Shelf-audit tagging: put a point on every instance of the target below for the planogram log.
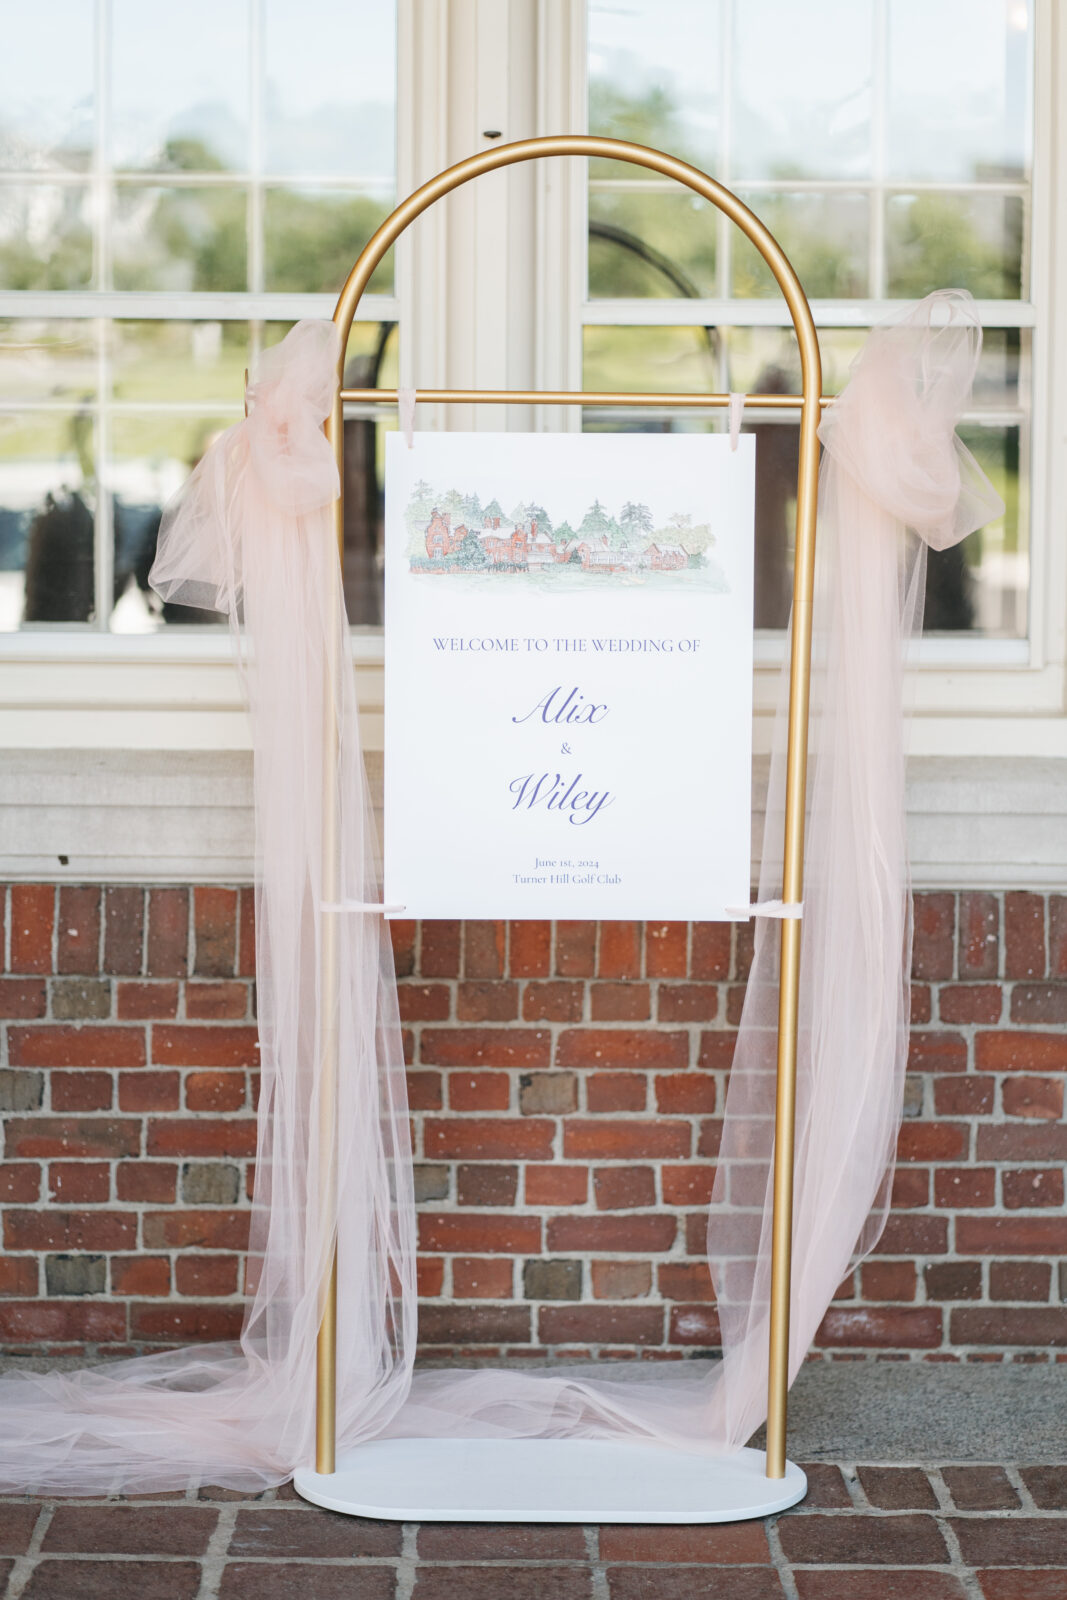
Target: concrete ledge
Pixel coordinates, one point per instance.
(162, 816)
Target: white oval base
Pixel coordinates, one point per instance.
(547, 1480)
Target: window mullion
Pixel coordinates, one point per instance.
(256, 66)
(877, 275)
(724, 235)
(103, 519)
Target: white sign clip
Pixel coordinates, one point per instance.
(405, 400)
(737, 409)
(783, 910)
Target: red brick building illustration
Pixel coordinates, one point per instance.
(441, 538)
(664, 557)
(520, 547)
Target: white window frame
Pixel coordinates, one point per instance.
(974, 696)
(512, 316)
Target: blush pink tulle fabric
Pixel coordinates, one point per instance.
(251, 535)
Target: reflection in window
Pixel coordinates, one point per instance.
(308, 238)
(887, 161)
(48, 497)
(187, 240)
(180, 82)
(259, 165)
(371, 364)
(47, 93)
(46, 237)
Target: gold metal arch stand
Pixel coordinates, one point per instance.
(808, 402)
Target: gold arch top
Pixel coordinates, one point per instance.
(808, 402)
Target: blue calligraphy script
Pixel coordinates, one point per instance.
(552, 789)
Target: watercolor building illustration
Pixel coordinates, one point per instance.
(451, 532)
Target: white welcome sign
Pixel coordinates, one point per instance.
(568, 675)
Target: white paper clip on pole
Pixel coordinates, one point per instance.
(737, 411)
(405, 401)
(360, 905)
(782, 910)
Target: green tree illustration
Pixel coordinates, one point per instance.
(539, 515)
(635, 523)
(596, 524)
(470, 554)
(417, 514)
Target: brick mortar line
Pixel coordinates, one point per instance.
(959, 1568)
(598, 1574)
(886, 1513)
(372, 1563)
(1018, 1483)
(213, 1559)
(1028, 1511)
(781, 1564)
(22, 1570)
(407, 1563)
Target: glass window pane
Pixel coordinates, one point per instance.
(47, 503)
(824, 236)
(673, 360)
(313, 236)
(47, 360)
(1002, 382)
(657, 84)
(653, 243)
(330, 101)
(802, 89)
(180, 239)
(971, 241)
(197, 362)
(371, 357)
(46, 87)
(46, 238)
(371, 362)
(151, 456)
(983, 583)
(958, 89)
(179, 85)
(767, 360)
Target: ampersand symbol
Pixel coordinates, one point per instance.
(565, 749)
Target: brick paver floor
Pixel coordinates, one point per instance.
(865, 1532)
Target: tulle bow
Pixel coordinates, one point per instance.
(288, 402)
(893, 429)
(276, 462)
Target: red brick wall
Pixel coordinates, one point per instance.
(566, 1083)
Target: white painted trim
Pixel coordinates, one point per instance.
(422, 99)
(1048, 584)
(219, 307)
(179, 646)
(561, 210)
(772, 313)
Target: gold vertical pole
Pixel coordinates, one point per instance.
(326, 1350)
(796, 771)
(792, 890)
